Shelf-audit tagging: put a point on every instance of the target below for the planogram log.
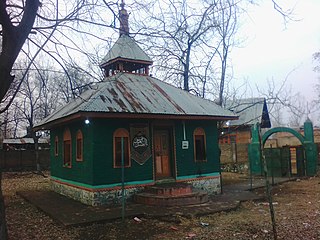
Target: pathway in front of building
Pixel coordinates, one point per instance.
(70, 212)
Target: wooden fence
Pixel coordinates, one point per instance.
(15, 160)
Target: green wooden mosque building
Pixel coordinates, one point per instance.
(168, 134)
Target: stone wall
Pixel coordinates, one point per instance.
(113, 196)
(211, 185)
(226, 153)
(94, 198)
(242, 153)
(234, 157)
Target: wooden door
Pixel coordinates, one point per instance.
(162, 154)
(293, 160)
(301, 167)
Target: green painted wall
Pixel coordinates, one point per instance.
(80, 171)
(185, 157)
(254, 151)
(310, 149)
(104, 173)
(97, 166)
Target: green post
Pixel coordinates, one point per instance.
(310, 149)
(254, 151)
(122, 182)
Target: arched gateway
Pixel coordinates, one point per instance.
(307, 141)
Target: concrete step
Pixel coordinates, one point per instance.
(171, 194)
(170, 189)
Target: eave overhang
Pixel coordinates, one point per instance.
(95, 115)
(120, 59)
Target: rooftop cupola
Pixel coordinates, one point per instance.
(125, 55)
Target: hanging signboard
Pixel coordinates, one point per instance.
(140, 143)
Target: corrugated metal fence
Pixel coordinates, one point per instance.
(14, 160)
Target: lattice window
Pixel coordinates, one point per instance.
(199, 137)
(67, 149)
(117, 152)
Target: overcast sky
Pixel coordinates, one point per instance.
(272, 50)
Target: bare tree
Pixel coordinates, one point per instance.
(39, 96)
(298, 110)
(287, 13)
(176, 32)
(316, 58)
(276, 115)
(191, 44)
(15, 28)
(5, 124)
(226, 30)
(17, 20)
(286, 107)
(49, 95)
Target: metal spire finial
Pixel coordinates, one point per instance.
(123, 17)
(122, 4)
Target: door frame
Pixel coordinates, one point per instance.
(172, 146)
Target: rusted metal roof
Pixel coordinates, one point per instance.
(126, 48)
(139, 94)
(250, 111)
(25, 140)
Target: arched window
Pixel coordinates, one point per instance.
(199, 138)
(67, 153)
(56, 144)
(79, 146)
(119, 134)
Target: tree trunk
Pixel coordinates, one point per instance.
(13, 38)
(186, 70)
(223, 77)
(36, 149)
(3, 225)
(6, 80)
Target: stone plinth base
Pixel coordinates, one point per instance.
(211, 185)
(94, 197)
(113, 195)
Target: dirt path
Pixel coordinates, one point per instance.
(297, 207)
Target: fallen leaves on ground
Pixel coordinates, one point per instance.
(297, 213)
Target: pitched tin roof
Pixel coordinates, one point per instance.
(126, 93)
(126, 48)
(25, 140)
(250, 111)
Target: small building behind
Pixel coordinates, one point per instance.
(24, 143)
(236, 134)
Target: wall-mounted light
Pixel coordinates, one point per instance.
(87, 121)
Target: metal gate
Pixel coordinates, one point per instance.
(285, 162)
